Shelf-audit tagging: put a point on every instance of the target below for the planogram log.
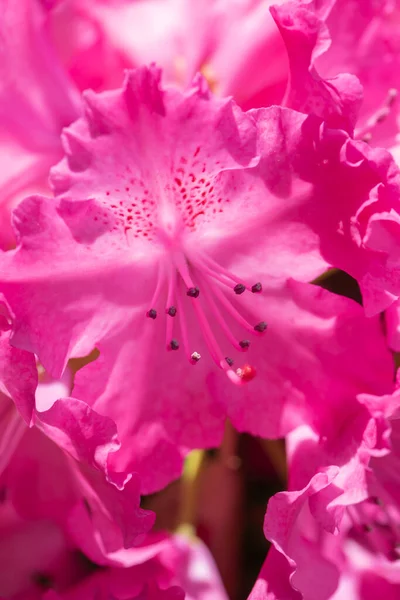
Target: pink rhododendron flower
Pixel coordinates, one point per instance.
(183, 36)
(354, 490)
(39, 472)
(164, 295)
(184, 246)
(36, 101)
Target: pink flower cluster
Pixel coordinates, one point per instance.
(179, 180)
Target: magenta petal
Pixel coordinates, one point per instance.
(36, 101)
(280, 527)
(365, 42)
(357, 469)
(306, 36)
(18, 373)
(273, 581)
(107, 520)
(29, 63)
(161, 425)
(43, 481)
(91, 438)
(80, 431)
(392, 319)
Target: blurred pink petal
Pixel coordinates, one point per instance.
(182, 36)
(36, 101)
(336, 100)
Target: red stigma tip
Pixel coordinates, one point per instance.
(246, 373)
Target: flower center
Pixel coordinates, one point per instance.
(193, 282)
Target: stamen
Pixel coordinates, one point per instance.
(239, 288)
(216, 290)
(213, 307)
(183, 270)
(256, 288)
(195, 357)
(211, 342)
(213, 346)
(206, 273)
(212, 268)
(193, 292)
(184, 332)
(159, 285)
(170, 304)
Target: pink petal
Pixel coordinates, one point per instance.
(36, 101)
(306, 36)
(183, 37)
(18, 374)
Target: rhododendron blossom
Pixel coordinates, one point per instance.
(186, 216)
(353, 491)
(199, 300)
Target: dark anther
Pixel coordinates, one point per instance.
(171, 311)
(393, 554)
(367, 528)
(256, 288)
(229, 361)
(152, 314)
(391, 97)
(42, 580)
(375, 500)
(261, 326)
(87, 507)
(193, 292)
(174, 345)
(239, 288)
(244, 344)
